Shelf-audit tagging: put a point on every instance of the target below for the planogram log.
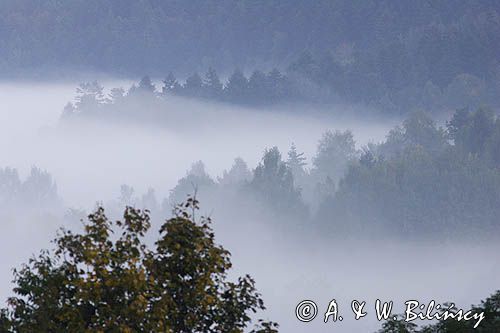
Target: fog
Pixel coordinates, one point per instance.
(89, 161)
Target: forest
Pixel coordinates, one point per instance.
(423, 180)
(206, 165)
(399, 56)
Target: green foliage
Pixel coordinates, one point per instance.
(107, 279)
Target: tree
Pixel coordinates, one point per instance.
(335, 151)
(397, 325)
(149, 201)
(305, 65)
(68, 111)
(431, 185)
(421, 130)
(212, 85)
(296, 161)
(417, 130)
(10, 186)
(258, 88)
(89, 96)
(36, 193)
(274, 184)
(170, 84)
(196, 179)
(117, 95)
(472, 131)
(39, 189)
(193, 86)
(126, 195)
(277, 85)
(95, 282)
(237, 87)
(144, 87)
(237, 175)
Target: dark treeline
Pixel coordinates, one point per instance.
(399, 55)
(297, 85)
(260, 89)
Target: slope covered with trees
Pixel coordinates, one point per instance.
(422, 181)
(395, 54)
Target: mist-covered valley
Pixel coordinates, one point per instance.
(206, 166)
(282, 224)
(149, 154)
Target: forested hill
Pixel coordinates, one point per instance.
(390, 52)
(160, 35)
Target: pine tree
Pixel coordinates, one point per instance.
(116, 95)
(89, 96)
(146, 85)
(193, 86)
(212, 85)
(237, 87)
(296, 162)
(170, 84)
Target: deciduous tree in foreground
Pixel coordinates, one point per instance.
(107, 279)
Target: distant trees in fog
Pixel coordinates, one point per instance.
(36, 193)
(423, 179)
(273, 184)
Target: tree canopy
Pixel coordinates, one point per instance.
(107, 279)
